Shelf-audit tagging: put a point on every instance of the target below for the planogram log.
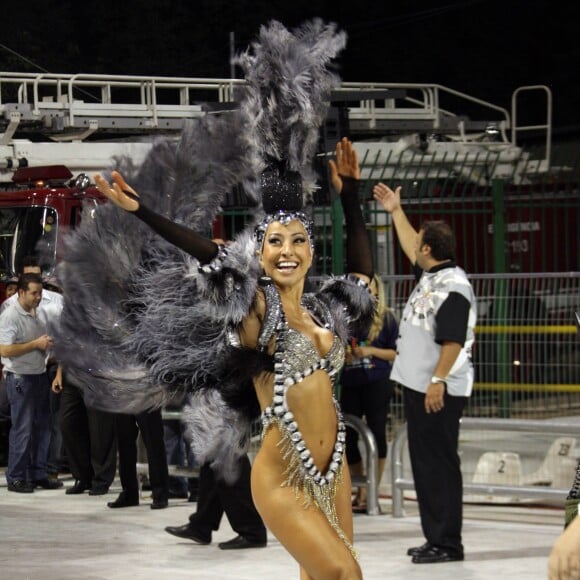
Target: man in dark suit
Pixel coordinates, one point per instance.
(217, 497)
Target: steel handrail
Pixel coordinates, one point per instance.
(369, 481)
(547, 126)
(428, 102)
(372, 460)
(399, 483)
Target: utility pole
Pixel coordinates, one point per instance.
(232, 54)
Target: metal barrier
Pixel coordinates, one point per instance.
(399, 483)
(372, 459)
(369, 481)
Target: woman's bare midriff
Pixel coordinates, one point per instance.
(314, 410)
(298, 530)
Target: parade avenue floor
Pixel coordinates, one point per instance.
(54, 536)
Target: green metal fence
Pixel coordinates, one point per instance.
(526, 222)
(517, 238)
(527, 346)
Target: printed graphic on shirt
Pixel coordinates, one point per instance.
(423, 305)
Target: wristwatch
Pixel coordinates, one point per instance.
(435, 379)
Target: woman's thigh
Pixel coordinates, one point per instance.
(304, 531)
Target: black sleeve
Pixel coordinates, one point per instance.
(358, 248)
(452, 318)
(189, 241)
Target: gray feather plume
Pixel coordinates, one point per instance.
(215, 432)
(288, 90)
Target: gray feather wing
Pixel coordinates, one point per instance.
(117, 271)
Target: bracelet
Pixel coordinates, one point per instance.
(435, 379)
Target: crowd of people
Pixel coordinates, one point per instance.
(88, 440)
(48, 429)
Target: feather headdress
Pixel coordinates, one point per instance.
(287, 95)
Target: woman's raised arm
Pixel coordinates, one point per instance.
(125, 197)
(345, 174)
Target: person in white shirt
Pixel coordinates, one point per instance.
(24, 343)
(433, 367)
(51, 301)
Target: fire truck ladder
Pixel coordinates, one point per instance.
(394, 125)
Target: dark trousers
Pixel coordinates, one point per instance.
(433, 440)
(178, 453)
(371, 401)
(216, 496)
(151, 427)
(89, 439)
(54, 460)
(4, 422)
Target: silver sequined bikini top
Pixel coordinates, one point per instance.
(302, 355)
(296, 356)
(301, 358)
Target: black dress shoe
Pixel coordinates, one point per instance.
(240, 543)
(159, 503)
(418, 549)
(435, 555)
(188, 533)
(20, 486)
(124, 501)
(78, 487)
(98, 490)
(46, 483)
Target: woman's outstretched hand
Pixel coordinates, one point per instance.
(346, 164)
(118, 192)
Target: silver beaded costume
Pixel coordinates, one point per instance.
(295, 358)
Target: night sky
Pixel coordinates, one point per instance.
(485, 48)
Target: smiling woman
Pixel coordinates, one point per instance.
(286, 252)
(234, 328)
(302, 339)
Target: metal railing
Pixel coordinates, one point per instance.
(420, 100)
(526, 353)
(371, 459)
(399, 483)
(42, 96)
(371, 463)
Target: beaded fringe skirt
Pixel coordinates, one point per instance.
(320, 496)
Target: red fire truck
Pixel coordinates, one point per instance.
(403, 132)
(36, 209)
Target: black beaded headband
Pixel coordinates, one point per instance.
(284, 217)
(282, 200)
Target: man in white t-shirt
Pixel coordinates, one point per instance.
(24, 343)
(433, 367)
(51, 304)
